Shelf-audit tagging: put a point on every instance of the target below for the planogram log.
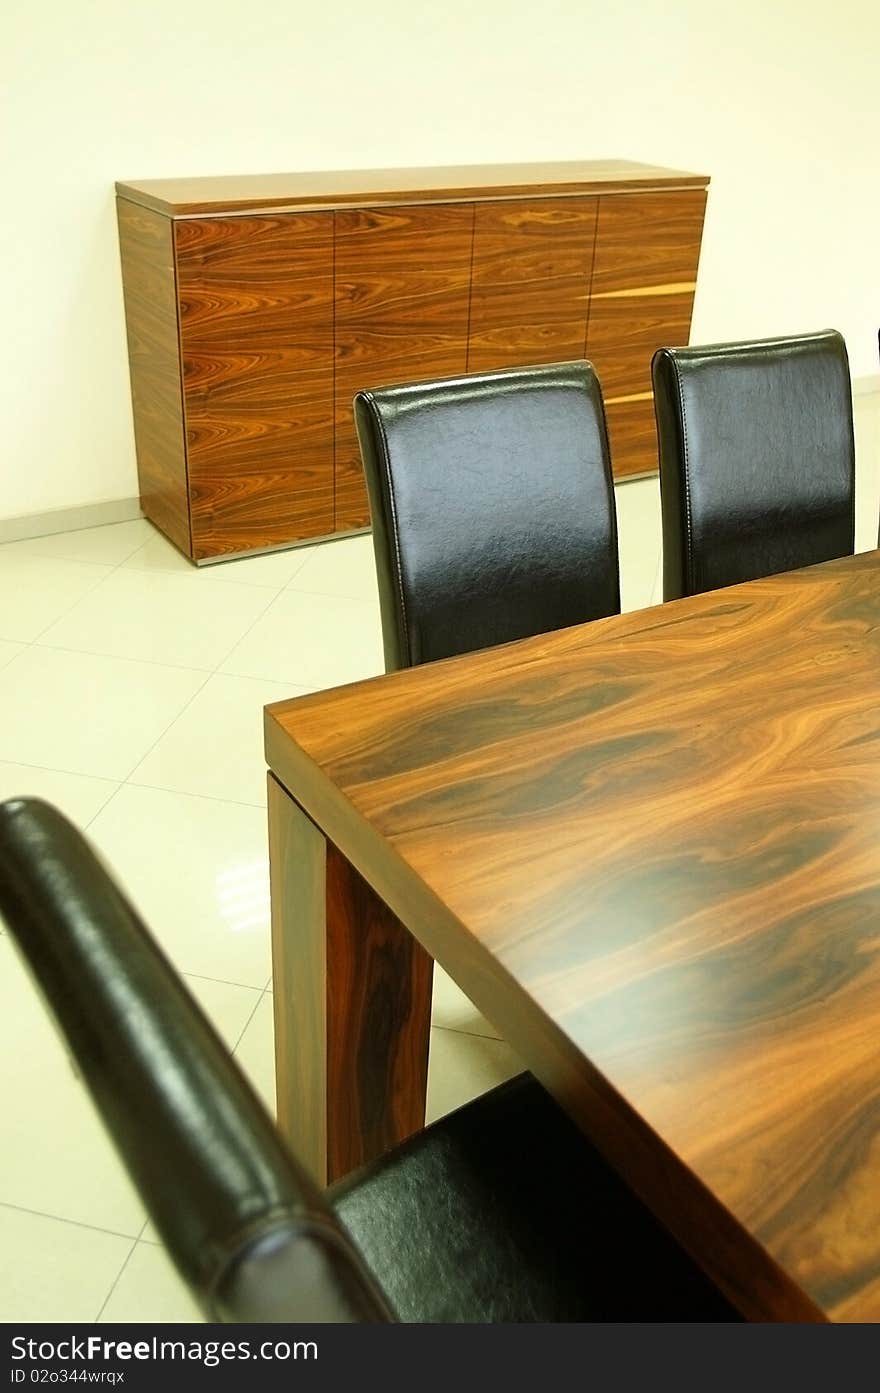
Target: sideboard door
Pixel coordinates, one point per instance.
(256, 327)
(402, 280)
(531, 282)
(642, 295)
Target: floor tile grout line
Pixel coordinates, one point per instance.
(74, 531)
(98, 811)
(116, 1280)
(471, 1034)
(216, 580)
(10, 660)
(332, 594)
(247, 1023)
(222, 981)
(241, 638)
(131, 782)
(42, 557)
(113, 657)
(165, 730)
(156, 572)
(62, 1219)
(112, 570)
(56, 618)
(53, 769)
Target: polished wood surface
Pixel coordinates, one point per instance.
(147, 253)
(647, 848)
(256, 329)
(402, 288)
(352, 1001)
(336, 188)
(530, 283)
(288, 294)
(641, 298)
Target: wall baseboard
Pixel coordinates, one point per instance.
(69, 519)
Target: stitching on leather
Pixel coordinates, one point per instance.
(689, 549)
(394, 531)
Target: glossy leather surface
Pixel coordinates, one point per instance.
(504, 1213)
(757, 460)
(492, 507)
(234, 1210)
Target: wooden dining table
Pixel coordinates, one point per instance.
(648, 849)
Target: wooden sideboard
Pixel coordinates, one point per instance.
(256, 307)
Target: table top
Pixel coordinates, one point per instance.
(341, 188)
(649, 850)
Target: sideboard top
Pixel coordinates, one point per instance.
(328, 189)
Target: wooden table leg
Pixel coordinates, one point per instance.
(352, 996)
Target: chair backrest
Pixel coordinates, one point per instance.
(757, 460)
(250, 1234)
(492, 506)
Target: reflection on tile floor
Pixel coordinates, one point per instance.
(131, 694)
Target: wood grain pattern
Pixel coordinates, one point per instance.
(647, 849)
(338, 188)
(443, 271)
(256, 318)
(530, 282)
(147, 254)
(352, 1004)
(402, 288)
(642, 296)
(632, 434)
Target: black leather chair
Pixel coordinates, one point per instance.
(492, 508)
(757, 461)
(500, 1212)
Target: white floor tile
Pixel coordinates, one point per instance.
(8, 651)
(312, 641)
(271, 571)
(215, 747)
(451, 1009)
(345, 567)
(54, 1154)
(87, 714)
(37, 590)
(198, 871)
(53, 1271)
(150, 1292)
(77, 796)
(256, 1052)
(159, 618)
(462, 1067)
(104, 546)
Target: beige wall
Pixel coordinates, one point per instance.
(776, 99)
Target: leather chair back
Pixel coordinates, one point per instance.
(492, 506)
(250, 1234)
(757, 460)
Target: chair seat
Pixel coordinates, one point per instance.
(503, 1212)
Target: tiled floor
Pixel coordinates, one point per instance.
(131, 688)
